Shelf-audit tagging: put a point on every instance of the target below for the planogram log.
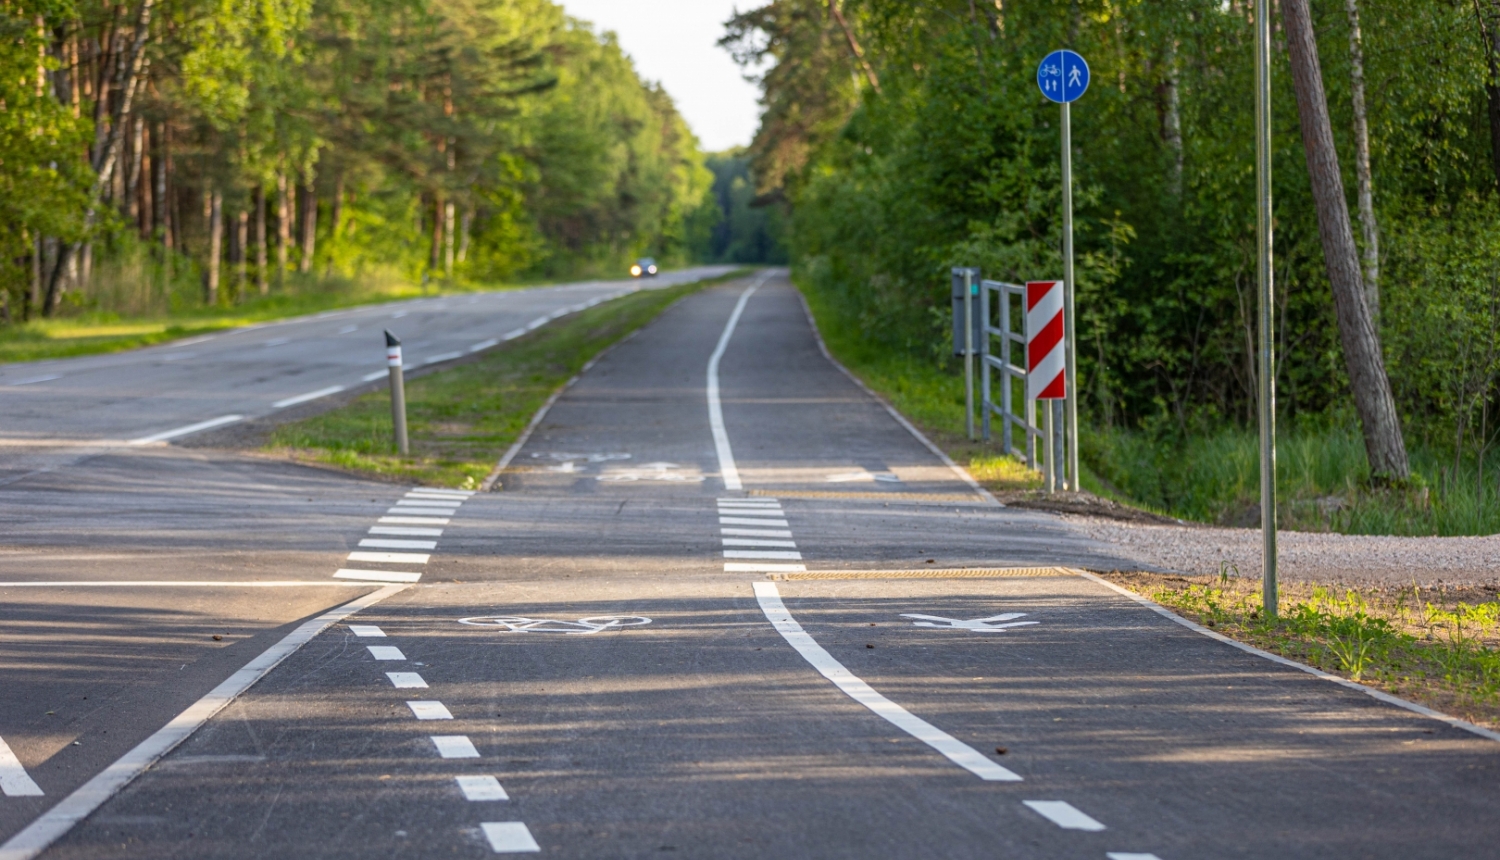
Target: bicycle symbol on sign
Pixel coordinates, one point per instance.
(581, 627)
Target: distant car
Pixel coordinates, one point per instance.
(645, 267)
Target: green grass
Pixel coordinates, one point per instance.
(1437, 646)
(461, 419)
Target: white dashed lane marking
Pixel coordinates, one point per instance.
(454, 746)
(407, 680)
(398, 530)
(781, 533)
(737, 541)
(377, 575)
(429, 710)
(1063, 814)
(386, 652)
(14, 781)
(1128, 855)
(509, 837)
(746, 521)
(431, 521)
(391, 543)
(481, 788)
(369, 630)
(391, 557)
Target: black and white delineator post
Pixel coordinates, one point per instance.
(398, 391)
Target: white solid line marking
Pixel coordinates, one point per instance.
(729, 541)
(388, 543)
(367, 630)
(509, 837)
(747, 499)
(386, 652)
(398, 315)
(423, 512)
(746, 521)
(174, 583)
(407, 681)
(481, 788)
(1129, 855)
(771, 506)
(391, 557)
(405, 530)
(727, 470)
(77, 806)
(35, 379)
(538, 323)
(952, 748)
(753, 512)
(429, 710)
(781, 533)
(1063, 814)
(512, 335)
(14, 780)
(432, 521)
(377, 575)
(454, 746)
(766, 567)
(773, 554)
(485, 344)
(429, 501)
(183, 431)
(371, 377)
(311, 395)
(349, 329)
(441, 357)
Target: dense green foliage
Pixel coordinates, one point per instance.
(917, 140)
(252, 146)
(746, 228)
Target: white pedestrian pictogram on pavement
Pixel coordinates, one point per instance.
(978, 625)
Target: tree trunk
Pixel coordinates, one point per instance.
(215, 243)
(1368, 228)
(241, 252)
(465, 225)
(1487, 15)
(309, 227)
(1172, 120)
(132, 189)
(145, 188)
(1362, 356)
(336, 209)
(127, 77)
(448, 214)
(259, 202)
(854, 48)
(161, 219)
(283, 226)
(34, 295)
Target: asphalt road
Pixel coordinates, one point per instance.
(617, 656)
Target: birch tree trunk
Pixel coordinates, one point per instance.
(1368, 382)
(1369, 229)
(283, 226)
(309, 227)
(1487, 15)
(215, 243)
(259, 202)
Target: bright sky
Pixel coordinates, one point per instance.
(675, 42)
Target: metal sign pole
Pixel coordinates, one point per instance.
(969, 353)
(1070, 420)
(1263, 273)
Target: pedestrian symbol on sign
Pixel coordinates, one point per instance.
(1063, 76)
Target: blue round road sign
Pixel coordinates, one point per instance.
(1063, 76)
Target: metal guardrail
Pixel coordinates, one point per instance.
(995, 298)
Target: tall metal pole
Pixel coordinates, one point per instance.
(1263, 272)
(1070, 419)
(969, 353)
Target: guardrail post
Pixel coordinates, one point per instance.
(398, 391)
(969, 353)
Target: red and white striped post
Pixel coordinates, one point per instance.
(1046, 367)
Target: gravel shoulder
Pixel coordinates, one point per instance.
(1357, 560)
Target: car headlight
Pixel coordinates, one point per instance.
(652, 270)
(636, 271)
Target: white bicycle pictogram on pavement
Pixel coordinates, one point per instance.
(581, 627)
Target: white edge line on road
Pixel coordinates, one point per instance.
(58, 820)
(727, 470)
(485, 344)
(168, 583)
(958, 470)
(33, 380)
(513, 334)
(1302, 667)
(368, 576)
(14, 780)
(311, 395)
(441, 357)
(371, 377)
(183, 431)
(950, 747)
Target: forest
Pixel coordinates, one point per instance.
(909, 137)
(157, 155)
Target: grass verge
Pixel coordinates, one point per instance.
(1439, 646)
(462, 418)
